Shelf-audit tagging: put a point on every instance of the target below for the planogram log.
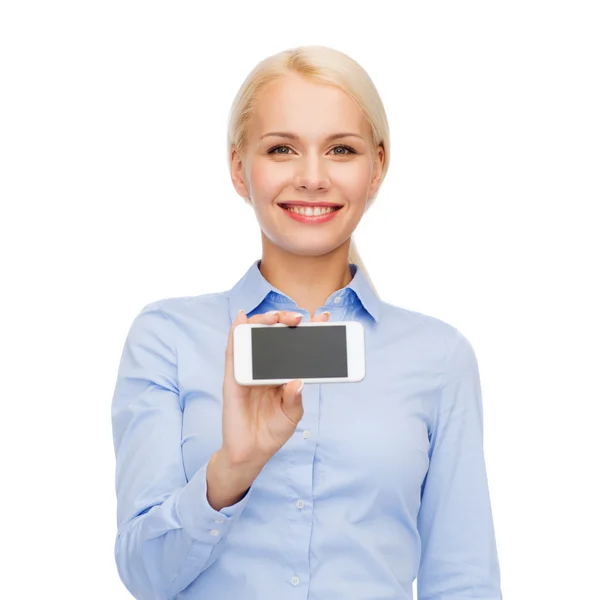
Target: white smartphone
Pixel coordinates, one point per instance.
(316, 352)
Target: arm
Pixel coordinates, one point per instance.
(458, 553)
(168, 533)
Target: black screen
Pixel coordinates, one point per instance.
(299, 352)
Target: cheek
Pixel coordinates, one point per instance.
(266, 177)
(353, 180)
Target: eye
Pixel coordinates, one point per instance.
(350, 150)
(273, 150)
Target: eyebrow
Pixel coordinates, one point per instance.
(293, 136)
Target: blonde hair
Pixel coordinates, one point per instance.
(324, 65)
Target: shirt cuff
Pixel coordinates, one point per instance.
(199, 519)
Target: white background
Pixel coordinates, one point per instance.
(115, 193)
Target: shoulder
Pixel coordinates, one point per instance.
(428, 340)
(179, 305)
(186, 312)
(420, 328)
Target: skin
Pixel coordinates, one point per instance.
(307, 262)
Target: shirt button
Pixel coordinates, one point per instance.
(214, 532)
(337, 299)
(306, 434)
(300, 504)
(219, 521)
(295, 580)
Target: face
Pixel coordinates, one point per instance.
(307, 164)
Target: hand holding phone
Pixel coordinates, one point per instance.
(259, 419)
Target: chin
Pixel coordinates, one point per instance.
(318, 248)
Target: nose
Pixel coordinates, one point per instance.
(311, 174)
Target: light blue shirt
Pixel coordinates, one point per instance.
(384, 480)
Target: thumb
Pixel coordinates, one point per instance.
(292, 400)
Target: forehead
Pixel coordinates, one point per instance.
(306, 107)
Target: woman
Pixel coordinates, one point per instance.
(346, 490)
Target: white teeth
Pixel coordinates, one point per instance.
(309, 211)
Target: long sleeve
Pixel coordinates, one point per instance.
(458, 549)
(168, 533)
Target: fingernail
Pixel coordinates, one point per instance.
(299, 389)
(326, 312)
(296, 315)
(273, 312)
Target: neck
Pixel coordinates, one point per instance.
(308, 280)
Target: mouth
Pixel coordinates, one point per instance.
(311, 213)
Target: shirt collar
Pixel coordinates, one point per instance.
(252, 289)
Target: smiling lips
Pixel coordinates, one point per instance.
(311, 212)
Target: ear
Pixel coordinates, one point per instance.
(236, 166)
(377, 170)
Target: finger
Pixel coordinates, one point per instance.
(292, 400)
(267, 318)
(290, 317)
(324, 316)
(277, 316)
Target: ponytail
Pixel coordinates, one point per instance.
(354, 257)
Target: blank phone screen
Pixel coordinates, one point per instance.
(299, 352)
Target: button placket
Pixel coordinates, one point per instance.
(301, 478)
